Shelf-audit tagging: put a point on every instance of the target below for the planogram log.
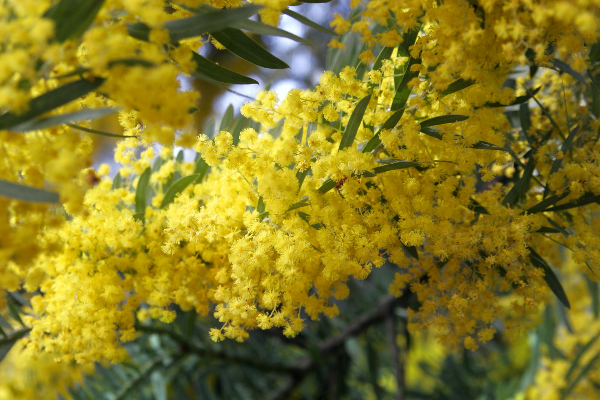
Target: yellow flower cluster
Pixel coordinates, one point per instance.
(323, 192)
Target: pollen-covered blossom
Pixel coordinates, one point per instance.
(319, 188)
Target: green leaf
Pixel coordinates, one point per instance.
(595, 96)
(586, 199)
(208, 70)
(306, 218)
(402, 89)
(389, 124)
(72, 17)
(547, 229)
(564, 148)
(116, 181)
(525, 118)
(326, 186)
(14, 310)
(260, 205)
(399, 164)
(522, 185)
(131, 62)
(298, 205)
(96, 132)
(433, 132)
(141, 194)
(83, 115)
(594, 289)
(302, 19)
(584, 371)
(544, 204)
(354, 122)
(201, 169)
(176, 188)
(51, 100)
(443, 119)
(10, 339)
(240, 124)
(550, 277)
(212, 19)
(457, 86)
(518, 100)
(159, 386)
(27, 193)
(566, 68)
(301, 176)
(384, 54)
(578, 356)
(242, 46)
(262, 29)
(227, 120)
(411, 250)
(481, 145)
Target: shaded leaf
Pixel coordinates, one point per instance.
(457, 86)
(27, 193)
(399, 164)
(176, 188)
(51, 100)
(208, 70)
(298, 205)
(116, 181)
(72, 17)
(301, 175)
(227, 120)
(443, 119)
(566, 68)
(547, 229)
(550, 277)
(97, 132)
(326, 186)
(521, 186)
(201, 169)
(302, 19)
(14, 310)
(354, 122)
(7, 342)
(210, 20)
(260, 205)
(141, 194)
(384, 54)
(525, 118)
(544, 204)
(586, 199)
(584, 371)
(242, 46)
(262, 29)
(411, 250)
(389, 124)
(518, 100)
(83, 115)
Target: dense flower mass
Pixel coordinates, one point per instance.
(462, 148)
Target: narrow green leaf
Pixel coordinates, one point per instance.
(457, 86)
(400, 164)
(443, 119)
(547, 229)
(306, 218)
(578, 356)
(298, 205)
(354, 122)
(521, 186)
(176, 188)
(389, 124)
(116, 181)
(594, 289)
(4, 323)
(302, 19)
(3, 333)
(27, 193)
(239, 125)
(481, 145)
(595, 95)
(227, 120)
(51, 100)
(476, 207)
(550, 277)
(411, 250)
(326, 186)
(201, 169)
(213, 20)
(139, 30)
(301, 176)
(131, 62)
(564, 148)
(11, 338)
(433, 132)
(566, 68)
(544, 204)
(14, 310)
(384, 54)
(96, 132)
(586, 199)
(159, 386)
(525, 118)
(141, 194)
(518, 100)
(242, 46)
(260, 205)
(584, 371)
(402, 90)
(72, 17)
(83, 115)
(262, 29)
(263, 215)
(206, 69)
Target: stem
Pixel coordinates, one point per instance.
(398, 365)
